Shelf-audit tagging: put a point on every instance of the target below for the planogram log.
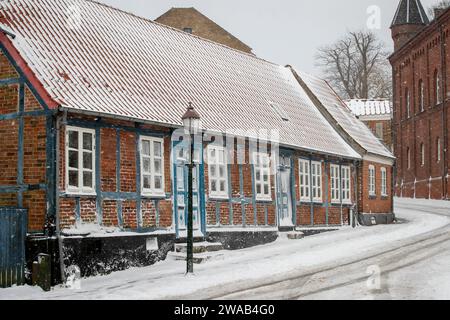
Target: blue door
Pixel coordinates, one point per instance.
(284, 194)
(180, 174)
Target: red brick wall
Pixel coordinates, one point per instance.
(34, 149)
(418, 61)
(377, 203)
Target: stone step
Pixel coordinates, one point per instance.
(198, 258)
(199, 247)
(293, 235)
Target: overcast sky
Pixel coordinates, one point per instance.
(282, 31)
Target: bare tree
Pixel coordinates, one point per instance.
(356, 66)
(441, 5)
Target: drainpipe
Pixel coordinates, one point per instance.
(444, 111)
(59, 123)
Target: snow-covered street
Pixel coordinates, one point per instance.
(412, 258)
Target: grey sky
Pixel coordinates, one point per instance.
(281, 31)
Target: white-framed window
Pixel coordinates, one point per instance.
(346, 184)
(261, 162)
(438, 149)
(316, 181)
(217, 172)
(335, 177)
(421, 96)
(80, 160)
(384, 182)
(305, 186)
(408, 103)
(437, 86)
(422, 154)
(372, 185)
(152, 166)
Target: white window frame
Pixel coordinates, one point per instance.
(422, 154)
(316, 181)
(152, 191)
(372, 181)
(408, 158)
(80, 190)
(408, 104)
(335, 183)
(215, 161)
(304, 180)
(438, 147)
(265, 159)
(422, 95)
(384, 182)
(438, 88)
(346, 184)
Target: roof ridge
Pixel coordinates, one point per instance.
(182, 32)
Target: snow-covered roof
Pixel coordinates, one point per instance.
(364, 107)
(354, 127)
(94, 58)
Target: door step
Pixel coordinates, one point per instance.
(199, 247)
(198, 258)
(293, 235)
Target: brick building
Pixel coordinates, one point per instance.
(192, 21)
(421, 100)
(92, 139)
(377, 115)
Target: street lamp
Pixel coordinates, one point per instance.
(191, 122)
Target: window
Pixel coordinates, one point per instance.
(316, 179)
(80, 160)
(372, 191)
(305, 186)
(335, 187)
(408, 158)
(408, 103)
(379, 130)
(422, 154)
(187, 30)
(152, 166)
(421, 96)
(262, 176)
(437, 86)
(345, 181)
(218, 173)
(383, 182)
(438, 149)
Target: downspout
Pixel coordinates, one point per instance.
(58, 226)
(444, 112)
(355, 190)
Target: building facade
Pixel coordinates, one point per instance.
(421, 119)
(377, 115)
(192, 21)
(95, 148)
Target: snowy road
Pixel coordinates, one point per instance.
(412, 258)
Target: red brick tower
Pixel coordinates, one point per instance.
(409, 20)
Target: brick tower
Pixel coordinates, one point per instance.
(409, 20)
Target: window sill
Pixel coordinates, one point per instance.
(153, 195)
(264, 199)
(372, 197)
(218, 198)
(79, 194)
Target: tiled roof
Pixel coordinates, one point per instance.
(362, 107)
(355, 128)
(410, 12)
(94, 58)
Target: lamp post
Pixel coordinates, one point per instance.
(191, 122)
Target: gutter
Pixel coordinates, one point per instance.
(60, 121)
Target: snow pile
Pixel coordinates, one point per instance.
(255, 266)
